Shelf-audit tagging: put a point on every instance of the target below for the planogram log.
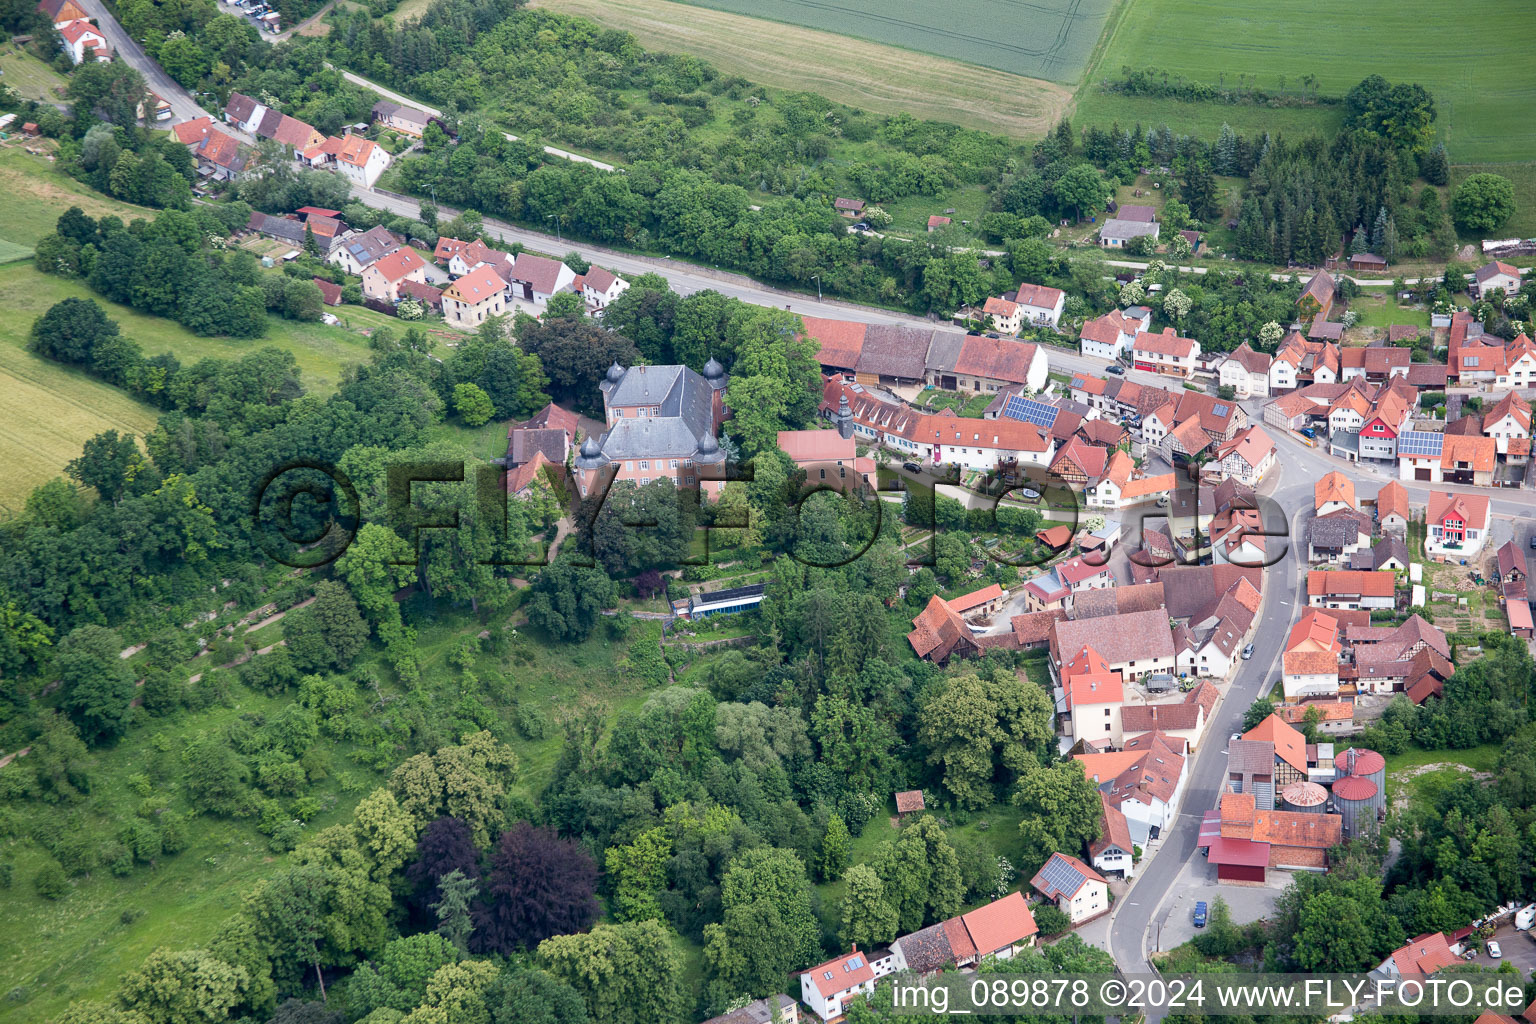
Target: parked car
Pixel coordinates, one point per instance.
(1248, 652)
(911, 467)
(1116, 369)
(1200, 914)
(1494, 950)
(1309, 433)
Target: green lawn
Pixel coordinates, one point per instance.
(1479, 78)
(30, 77)
(49, 192)
(1424, 785)
(1523, 177)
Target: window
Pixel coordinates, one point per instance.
(689, 480)
(674, 463)
(644, 480)
(645, 463)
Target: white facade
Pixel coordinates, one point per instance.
(831, 1006)
(1298, 685)
(1090, 900)
(601, 298)
(367, 172)
(1112, 858)
(1520, 372)
(1232, 373)
(1504, 430)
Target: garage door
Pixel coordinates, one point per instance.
(1421, 474)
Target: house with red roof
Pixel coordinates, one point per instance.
(358, 159)
(473, 297)
(1165, 353)
(382, 278)
(1457, 524)
(1113, 850)
(1077, 890)
(1093, 693)
(1423, 955)
(939, 633)
(1310, 662)
(1509, 420)
(829, 458)
(330, 292)
(1519, 364)
(62, 12)
(1110, 336)
(535, 278)
(600, 286)
(190, 133)
(1351, 589)
(1496, 274)
(1038, 304)
(1247, 458)
(221, 157)
(829, 987)
(81, 37)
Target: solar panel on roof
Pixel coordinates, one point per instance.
(1219, 409)
(1030, 411)
(1061, 875)
(1420, 442)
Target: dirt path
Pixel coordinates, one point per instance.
(279, 616)
(8, 758)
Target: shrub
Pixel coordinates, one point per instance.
(1050, 920)
(51, 882)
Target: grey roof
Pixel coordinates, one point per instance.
(1117, 228)
(523, 444)
(384, 108)
(891, 350)
(927, 950)
(944, 349)
(1345, 441)
(368, 246)
(277, 227)
(684, 426)
(1334, 531)
(1251, 757)
(758, 1011)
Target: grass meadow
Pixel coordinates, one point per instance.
(30, 77)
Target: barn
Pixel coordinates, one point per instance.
(1239, 860)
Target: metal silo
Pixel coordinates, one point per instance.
(1365, 763)
(1303, 797)
(1358, 800)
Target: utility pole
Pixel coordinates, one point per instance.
(557, 227)
(817, 278)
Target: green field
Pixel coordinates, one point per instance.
(1050, 39)
(1481, 79)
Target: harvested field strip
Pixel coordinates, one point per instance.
(883, 79)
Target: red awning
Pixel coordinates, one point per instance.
(1239, 853)
(1210, 827)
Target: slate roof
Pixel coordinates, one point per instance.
(368, 246)
(1335, 531)
(290, 231)
(240, 106)
(523, 444)
(1118, 228)
(686, 415)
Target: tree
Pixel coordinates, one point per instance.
(1081, 189)
(110, 92)
(1176, 305)
(1483, 202)
(959, 727)
(920, 873)
(576, 354)
(215, 777)
(836, 849)
(530, 996)
(51, 882)
(538, 885)
(398, 978)
(472, 404)
(639, 875)
(567, 600)
(187, 987)
(767, 927)
(328, 634)
(1403, 114)
(1178, 247)
(1061, 809)
(446, 845)
(565, 304)
(108, 462)
(855, 744)
(454, 908)
(1131, 293)
(1198, 191)
(97, 684)
(867, 916)
(1270, 335)
(629, 973)
(466, 781)
(71, 331)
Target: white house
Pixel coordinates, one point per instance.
(1509, 420)
(1349, 589)
(1116, 233)
(1039, 305)
(1458, 524)
(1001, 314)
(1077, 890)
(1111, 335)
(1247, 457)
(600, 287)
(1245, 371)
(828, 988)
(1121, 486)
(355, 251)
(1114, 849)
(80, 36)
(1310, 664)
(1497, 275)
(361, 160)
(1519, 364)
(476, 254)
(535, 278)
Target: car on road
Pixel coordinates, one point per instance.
(1200, 914)
(911, 467)
(1533, 542)
(1116, 369)
(1248, 652)
(1494, 950)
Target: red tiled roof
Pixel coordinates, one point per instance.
(1290, 745)
(841, 340)
(976, 598)
(330, 292)
(476, 286)
(1166, 343)
(1000, 923)
(1323, 582)
(397, 264)
(1471, 509)
(1425, 954)
(804, 446)
(189, 133)
(1038, 295)
(838, 974)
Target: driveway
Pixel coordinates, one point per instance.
(1517, 947)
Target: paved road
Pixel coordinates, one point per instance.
(183, 106)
